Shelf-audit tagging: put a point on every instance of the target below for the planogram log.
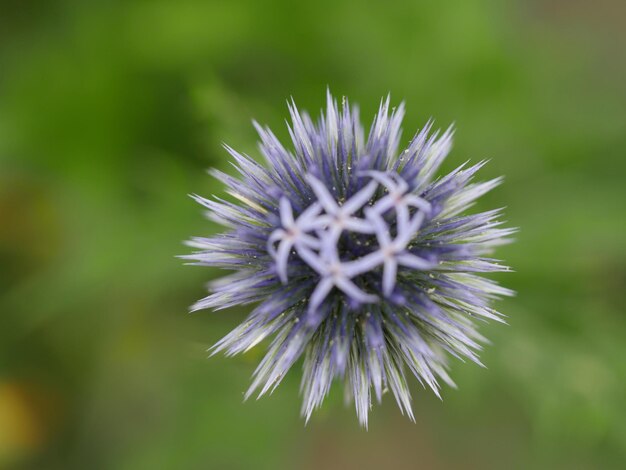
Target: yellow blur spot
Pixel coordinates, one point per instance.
(21, 431)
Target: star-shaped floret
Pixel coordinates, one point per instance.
(398, 196)
(341, 217)
(293, 233)
(334, 273)
(392, 252)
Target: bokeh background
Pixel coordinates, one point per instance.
(110, 113)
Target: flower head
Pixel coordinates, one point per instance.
(355, 256)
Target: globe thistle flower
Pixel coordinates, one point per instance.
(358, 259)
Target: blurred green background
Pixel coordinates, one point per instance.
(110, 113)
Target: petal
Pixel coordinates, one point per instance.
(407, 233)
(418, 202)
(326, 199)
(333, 234)
(401, 185)
(357, 201)
(402, 216)
(382, 178)
(309, 216)
(350, 288)
(383, 204)
(312, 259)
(362, 265)
(412, 261)
(319, 294)
(389, 275)
(282, 259)
(286, 213)
(380, 227)
(276, 235)
(309, 240)
(359, 225)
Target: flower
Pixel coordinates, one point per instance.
(356, 257)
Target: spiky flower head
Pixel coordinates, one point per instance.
(356, 256)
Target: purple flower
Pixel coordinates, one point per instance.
(356, 257)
